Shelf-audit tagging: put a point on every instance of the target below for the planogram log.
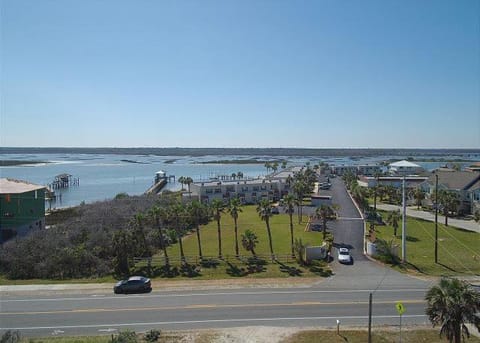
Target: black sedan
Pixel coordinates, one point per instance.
(135, 284)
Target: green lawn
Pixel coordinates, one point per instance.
(458, 250)
(248, 219)
(232, 267)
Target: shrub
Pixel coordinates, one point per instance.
(10, 337)
(126, 336)
(152, 335)
(386, 251)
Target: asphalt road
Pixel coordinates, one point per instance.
(106, 313)
(343, 296)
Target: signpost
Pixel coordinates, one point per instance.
(400, 309)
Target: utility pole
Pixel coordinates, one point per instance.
(436, 218)
(370, 319)
(404, 225)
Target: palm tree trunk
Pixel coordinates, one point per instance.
(236, 238)
(324, 222)
(180, 244)
(199, 242)
(457, 336)
(164, 245)
(291, 235)
(270, 238)
(219, 234)
(445, 213)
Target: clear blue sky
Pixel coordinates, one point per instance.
(263, 73)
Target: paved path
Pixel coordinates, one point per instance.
(412, 211)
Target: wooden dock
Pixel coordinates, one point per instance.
(64, 181)
(157, 187)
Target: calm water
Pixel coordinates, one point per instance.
(104, 176)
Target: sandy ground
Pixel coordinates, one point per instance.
(249, 334)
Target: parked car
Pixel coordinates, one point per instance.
(344, 256)
(325, 185)
(134, 284)
(316, 227)
(275, 210)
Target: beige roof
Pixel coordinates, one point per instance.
(455, 180)
(12, 186)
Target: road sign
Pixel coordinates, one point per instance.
(400, 308)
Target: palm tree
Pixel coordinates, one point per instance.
(157, 213)
(234, 208)
(264, 210)
(123, 247)
(275, 166)
(239, 175)
(393, 219)
(195, 209)
(324, 213)
(142, 248)
(188, 181)
(181, 180)
(387, 251)
(418, 194)
(249, 241)
(267, 165)
(178, 214)
(449, 201)
(299, 190)
(218, 207)
(289, 207)
(360, 195)
(284, 164)
(453, 303)
(375, 190)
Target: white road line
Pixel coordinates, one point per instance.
(122, 297)
(210, 321)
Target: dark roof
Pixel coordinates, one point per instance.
(455, 180)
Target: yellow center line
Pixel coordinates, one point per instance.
(202, 306)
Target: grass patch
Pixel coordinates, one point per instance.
(5, 281)
(248, 219)
(311, 336)
(232, 267)
(458, 250)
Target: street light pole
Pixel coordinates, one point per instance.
(404, 225)
(436, 218)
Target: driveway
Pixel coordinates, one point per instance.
(348, 231)
(348, 228)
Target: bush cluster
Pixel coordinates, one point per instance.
(82, 244)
